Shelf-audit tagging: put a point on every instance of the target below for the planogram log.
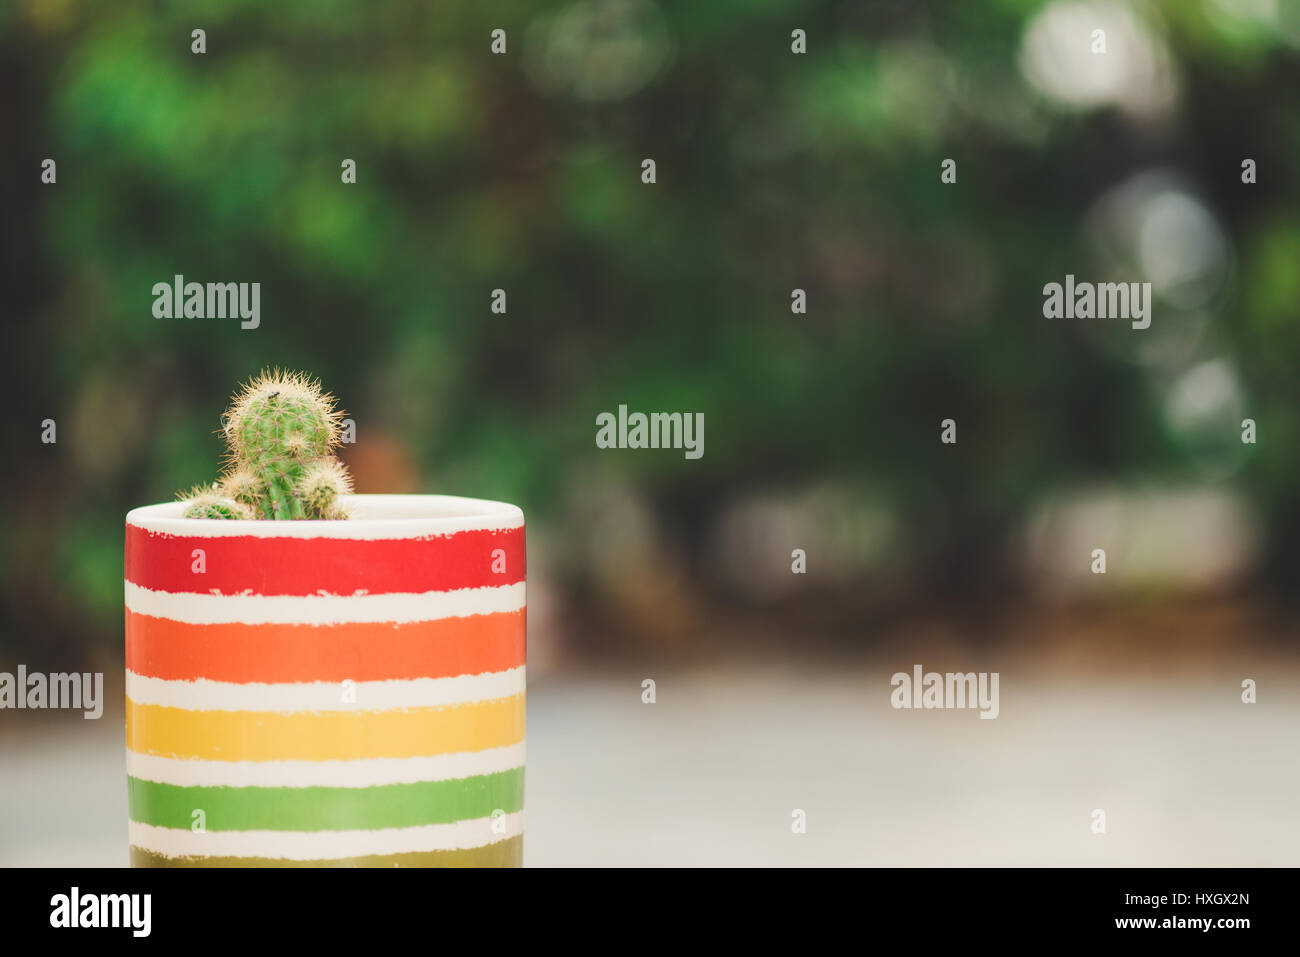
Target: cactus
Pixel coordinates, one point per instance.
(208, 501)
(280, 433)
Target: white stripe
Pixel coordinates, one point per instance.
(372, 517)
(323, 845)
(202, 694)
(198, 609)
(363, 773)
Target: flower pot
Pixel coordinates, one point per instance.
(327, 693)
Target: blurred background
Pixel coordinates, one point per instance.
(775, 171)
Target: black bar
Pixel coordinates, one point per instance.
(210, 907)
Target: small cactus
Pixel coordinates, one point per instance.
(208, 501)
(280, 432)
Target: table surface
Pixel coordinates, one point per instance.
(712, 773)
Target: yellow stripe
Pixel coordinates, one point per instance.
(324, 735)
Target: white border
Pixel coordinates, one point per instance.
(195, 608)
(362, 773)
(203, 694)
(322, 845)
(374, 517)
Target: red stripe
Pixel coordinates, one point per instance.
(309, 566)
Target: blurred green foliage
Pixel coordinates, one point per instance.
(522, 172)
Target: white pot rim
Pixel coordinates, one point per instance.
(373, 517)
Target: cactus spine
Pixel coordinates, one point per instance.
(280, 431)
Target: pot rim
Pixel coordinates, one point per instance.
(374, 517)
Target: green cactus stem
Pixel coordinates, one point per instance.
(281, 431)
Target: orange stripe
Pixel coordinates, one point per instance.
(362, 651)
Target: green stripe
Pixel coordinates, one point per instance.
(325, 808)
(507, 853)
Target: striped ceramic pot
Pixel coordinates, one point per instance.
(327, 693)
